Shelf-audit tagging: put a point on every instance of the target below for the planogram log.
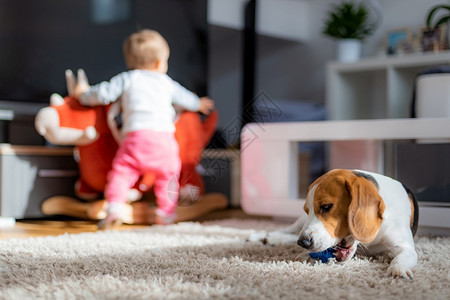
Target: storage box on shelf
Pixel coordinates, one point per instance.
(17, 123)
(31, 174)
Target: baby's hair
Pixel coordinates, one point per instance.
(144, 48)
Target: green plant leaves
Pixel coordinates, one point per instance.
(348, 21)
(440, 21)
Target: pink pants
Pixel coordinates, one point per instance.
(146, 151)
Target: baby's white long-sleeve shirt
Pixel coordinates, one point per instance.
(146, 98)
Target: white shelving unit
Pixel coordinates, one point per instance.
(380, 88)
(376, 88)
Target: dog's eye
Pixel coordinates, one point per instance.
(325, 208)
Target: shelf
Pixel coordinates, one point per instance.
(376, 88)
(410, 61)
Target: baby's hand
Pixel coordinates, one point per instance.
(206, 105)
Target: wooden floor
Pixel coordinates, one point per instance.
(58, 226)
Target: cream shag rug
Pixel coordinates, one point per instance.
(204, 261)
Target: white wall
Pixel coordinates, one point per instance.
(290, 69)
(282, 18)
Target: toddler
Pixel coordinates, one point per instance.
(149, 146)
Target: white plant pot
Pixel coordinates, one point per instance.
(348, 50)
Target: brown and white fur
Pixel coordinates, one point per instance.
(349, 208)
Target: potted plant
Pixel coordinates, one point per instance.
(442, 20)
(349, 24)
(433, 37)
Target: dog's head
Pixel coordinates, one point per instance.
(344, 208)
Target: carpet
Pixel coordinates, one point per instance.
(211, 260)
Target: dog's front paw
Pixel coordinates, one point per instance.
(305, 257)
(399, 271)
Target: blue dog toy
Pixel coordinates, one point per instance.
(324, 255)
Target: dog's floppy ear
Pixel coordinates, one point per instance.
(366, 210)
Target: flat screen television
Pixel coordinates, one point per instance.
(40, 39)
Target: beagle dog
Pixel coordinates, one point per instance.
(350, 208)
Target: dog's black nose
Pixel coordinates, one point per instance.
(305, 242)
